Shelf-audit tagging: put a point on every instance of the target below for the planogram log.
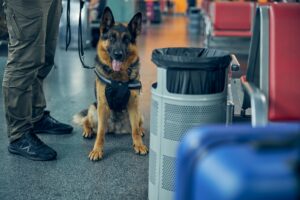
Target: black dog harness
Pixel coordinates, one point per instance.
(117, 93)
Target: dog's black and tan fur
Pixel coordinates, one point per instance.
(117, 51)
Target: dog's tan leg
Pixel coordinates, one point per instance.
(103, 114)
(142, 130)
(134, 117)
(87, 128)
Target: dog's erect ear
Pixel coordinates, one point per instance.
(135, 25)
(107, 20)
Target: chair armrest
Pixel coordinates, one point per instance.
(234, 65)
(259, 107)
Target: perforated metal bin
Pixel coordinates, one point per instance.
(172, 114)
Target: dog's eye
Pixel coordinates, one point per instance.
(126, 39)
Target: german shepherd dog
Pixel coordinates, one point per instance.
(117, 106)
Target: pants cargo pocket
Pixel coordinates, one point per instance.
(23, 23)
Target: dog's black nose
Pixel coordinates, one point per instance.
(118, 55)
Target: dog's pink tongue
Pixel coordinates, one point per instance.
(116, 65)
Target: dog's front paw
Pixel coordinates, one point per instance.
(96, 155)
(140, 149)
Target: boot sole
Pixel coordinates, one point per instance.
(53, 132)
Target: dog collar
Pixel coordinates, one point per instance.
(132, 84)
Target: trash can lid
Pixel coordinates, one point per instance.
(194, 10)
(191, 58)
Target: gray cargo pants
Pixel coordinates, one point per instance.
(33, 29)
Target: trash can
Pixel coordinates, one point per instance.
(156, 13)
(191, 89)
(196, 20)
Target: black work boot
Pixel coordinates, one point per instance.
(31, 147)
(49, 125)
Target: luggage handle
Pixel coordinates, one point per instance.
(293, 141)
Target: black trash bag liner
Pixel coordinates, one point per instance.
(193, 70)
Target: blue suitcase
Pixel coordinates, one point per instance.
(239, 163)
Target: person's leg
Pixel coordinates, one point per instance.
(26, 52)
(25, 56)
(51, 21)
(43, 122)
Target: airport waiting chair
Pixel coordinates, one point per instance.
(232, 19)
(256, 57)
(231, 26)
(273, 85)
